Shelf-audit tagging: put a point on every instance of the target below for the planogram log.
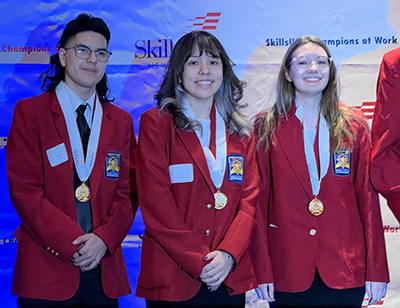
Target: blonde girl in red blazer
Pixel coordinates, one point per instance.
(322, 216)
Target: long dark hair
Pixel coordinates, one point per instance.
(228, 95)
(56, 73)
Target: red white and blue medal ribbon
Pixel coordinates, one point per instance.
(315, 206)
(217, 164)
(83, 166)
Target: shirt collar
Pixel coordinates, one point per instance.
(75, 101)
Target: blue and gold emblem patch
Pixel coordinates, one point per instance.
(235, 168)
(113, 161)
(342, 162)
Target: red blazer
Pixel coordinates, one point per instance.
(345, 243)
(385, 166)
(181, 223)
(44, 199)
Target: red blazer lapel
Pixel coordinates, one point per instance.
(193, 146)
(290, 139)
(106, 133)
(61, 128)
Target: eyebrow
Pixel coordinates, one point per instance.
(83, 45)
(312, 56)
(209, 55)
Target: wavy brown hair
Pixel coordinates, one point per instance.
(228, 95)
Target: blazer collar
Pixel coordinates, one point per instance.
(290, 138)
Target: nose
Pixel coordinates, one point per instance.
(204, 68)
(92, 58)
(313, 66)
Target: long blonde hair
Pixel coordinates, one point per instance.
(337, 117)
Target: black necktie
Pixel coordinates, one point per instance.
(83, 209)
(83, 127)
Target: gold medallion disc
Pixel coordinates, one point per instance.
(82, 193)
(315, 207)
(220, 200)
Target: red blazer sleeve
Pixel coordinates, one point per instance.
(46, 224)
(259, 244)
(163, 220)
(385, 132)
(369, 209)
(116, 224)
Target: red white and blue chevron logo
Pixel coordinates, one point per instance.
(208, 22)
(368, 109)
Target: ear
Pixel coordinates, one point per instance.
(287, 76)
(61, 56)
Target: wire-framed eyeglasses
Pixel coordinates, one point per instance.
(304, 63)
(84, 52)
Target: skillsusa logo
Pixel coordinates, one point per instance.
(368, 109)
(157, 51)
(208, 22)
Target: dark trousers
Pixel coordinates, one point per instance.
(88, 295)
(321, 296)
(219, 298)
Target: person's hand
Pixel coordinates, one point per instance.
(92, 249)
(265, 291)
(215, 272)
(375, 291)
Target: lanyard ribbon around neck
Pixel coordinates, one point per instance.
(316, 173)
(83, 166)
(216, 164)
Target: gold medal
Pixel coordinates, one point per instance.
(220, 200)
(315, 207)
(82, 193)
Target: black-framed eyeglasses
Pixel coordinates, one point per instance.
(84, 52)
(304, 63)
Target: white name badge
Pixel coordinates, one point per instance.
(57, 155)
(182, 173)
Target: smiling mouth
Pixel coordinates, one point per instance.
(87, 69)
(204, 82)
(312, 79)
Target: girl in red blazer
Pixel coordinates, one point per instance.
(197, 183)
(325, 232)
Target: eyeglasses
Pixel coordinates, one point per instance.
(84, 52)
(304, 63)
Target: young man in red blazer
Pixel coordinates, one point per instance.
(70, 171)
(385, 167)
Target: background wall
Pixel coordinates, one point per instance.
(255, 34)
